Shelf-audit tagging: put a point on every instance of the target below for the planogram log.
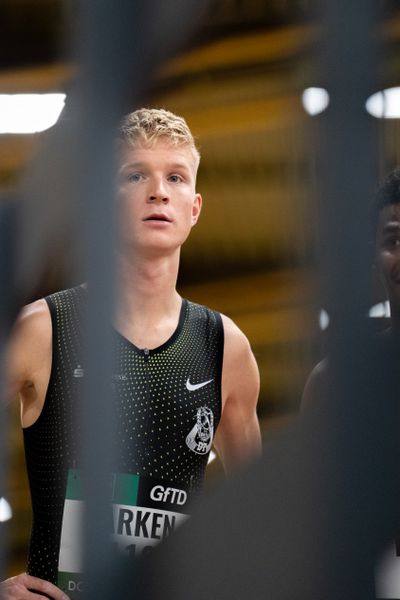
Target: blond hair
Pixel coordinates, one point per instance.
(147, 125)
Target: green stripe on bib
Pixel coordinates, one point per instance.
(125, 489)
(74, 485)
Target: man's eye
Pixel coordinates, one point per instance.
(392, 242)
(175, 178)
(135, 177)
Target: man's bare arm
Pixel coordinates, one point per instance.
(238, 437)
(28, 360)
(28, 365)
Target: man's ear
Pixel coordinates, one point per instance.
(196, 208)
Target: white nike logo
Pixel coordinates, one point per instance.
(196, 386)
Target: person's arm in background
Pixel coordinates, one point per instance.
(315, 387)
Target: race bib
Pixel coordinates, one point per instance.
(144, 512)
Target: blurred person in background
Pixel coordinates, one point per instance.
(386, 241)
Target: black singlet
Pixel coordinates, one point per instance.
(168, 406)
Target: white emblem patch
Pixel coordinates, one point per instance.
(200, 437)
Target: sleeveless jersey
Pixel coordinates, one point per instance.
(168, 406)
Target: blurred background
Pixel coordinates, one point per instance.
(245, 84)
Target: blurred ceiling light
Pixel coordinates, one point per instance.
(315, 100)
(323, 319)
(29, 113)
(5, 510)
(382, 309)
(385, 104)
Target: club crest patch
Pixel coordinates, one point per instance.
(199, 440)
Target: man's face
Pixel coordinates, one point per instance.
(157, 197)
(388, 252)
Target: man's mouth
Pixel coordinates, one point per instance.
(158, 217)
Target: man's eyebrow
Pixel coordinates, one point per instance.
(179, 166)
(135, 165)
(169, 166)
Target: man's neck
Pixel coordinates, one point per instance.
(147, 296)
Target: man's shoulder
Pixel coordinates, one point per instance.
(196, 306)
(233, 333)
(321, 369)
(67, 294)
(202, 313)
(30, 338)
(34, 315)
(316, 384)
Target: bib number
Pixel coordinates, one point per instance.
(143, 512)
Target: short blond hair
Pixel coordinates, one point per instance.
(147, 125)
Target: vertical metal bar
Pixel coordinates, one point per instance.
(97, 406)
(105, 36)
(355, 461)
(8, 309)
(349, 152)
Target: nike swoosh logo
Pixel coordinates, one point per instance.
(196, 386)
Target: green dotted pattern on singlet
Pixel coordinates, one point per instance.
(155, 412)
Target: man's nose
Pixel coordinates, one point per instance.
(158, 192)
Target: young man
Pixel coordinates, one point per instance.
(185, 375)
(386, 232)
(386, 239)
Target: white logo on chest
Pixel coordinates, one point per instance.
(196, 386)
